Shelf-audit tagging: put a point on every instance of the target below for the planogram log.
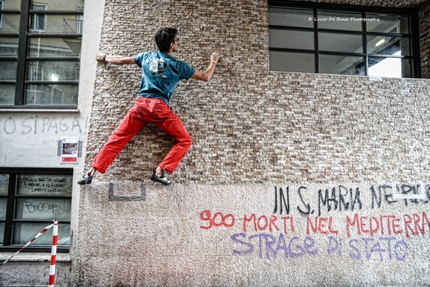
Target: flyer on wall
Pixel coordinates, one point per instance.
(69, 150)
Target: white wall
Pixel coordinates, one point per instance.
(29, 138)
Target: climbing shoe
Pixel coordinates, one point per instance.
(86, 180)
(163, 179)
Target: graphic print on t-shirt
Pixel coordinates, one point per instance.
(158, 67)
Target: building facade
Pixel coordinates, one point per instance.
(44, 119)
(308, 167)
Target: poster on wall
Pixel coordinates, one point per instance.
(69, 150)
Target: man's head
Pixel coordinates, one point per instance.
(164, 38)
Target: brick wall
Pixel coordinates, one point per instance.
(376, 3)
(425, 40)
(268, 145)
(250, 124)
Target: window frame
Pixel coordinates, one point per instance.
(36, 16)
(1, 14)
(11, 207)
(22, 58)
(413, 34)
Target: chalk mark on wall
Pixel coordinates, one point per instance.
(33, 125)
(417, 191)
(341, 198)
(357, 235)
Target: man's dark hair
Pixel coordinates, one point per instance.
(164, 37)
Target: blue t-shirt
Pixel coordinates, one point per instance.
(160, 74)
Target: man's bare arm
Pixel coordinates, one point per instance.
(114, 59)
(208, 73)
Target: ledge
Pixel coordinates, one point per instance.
(39, 111)
(33, 257)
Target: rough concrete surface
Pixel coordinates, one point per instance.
(16, 273)
(255, 235)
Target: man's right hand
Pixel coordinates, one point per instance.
(215, 56)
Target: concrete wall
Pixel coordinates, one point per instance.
(28, 273)
(293, 179)
(247, 235)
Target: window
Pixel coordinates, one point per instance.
(320, 38)
(40, 48)
(38, 21)
(30, 199)
(1, 15)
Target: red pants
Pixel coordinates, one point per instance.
(144, 111)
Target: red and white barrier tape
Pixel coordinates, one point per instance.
(53, 254)
(31, 241)
(53, 250)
